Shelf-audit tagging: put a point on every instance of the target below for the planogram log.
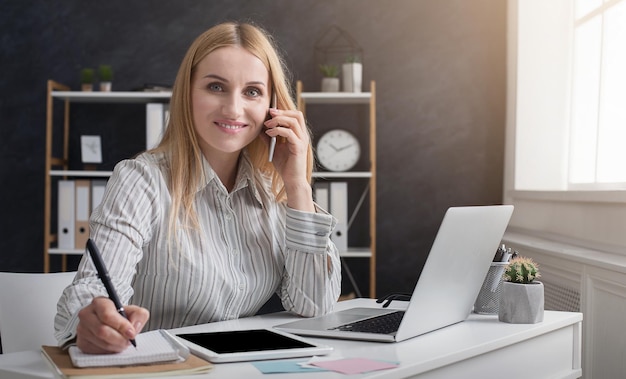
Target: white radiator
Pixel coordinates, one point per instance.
(587, 280)
(559, 297)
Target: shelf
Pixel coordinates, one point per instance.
(147, 97)
(80, 173)
(112, 97)
(336, 97)
(55, 251)
(356, 252)
(340, 175)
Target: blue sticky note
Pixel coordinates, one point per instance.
(284, 366)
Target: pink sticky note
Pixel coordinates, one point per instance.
(354, 365)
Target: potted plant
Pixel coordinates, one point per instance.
(86, 79)
(105, 74)
(330, 78)
(352, 71)
(522, 295)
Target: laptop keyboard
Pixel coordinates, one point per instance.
(383, 324)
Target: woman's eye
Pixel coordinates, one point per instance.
(253, 92)
(215, 87)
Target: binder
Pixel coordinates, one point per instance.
(156, 117)
(82, 211)
(322, 195)
(97, 192)
(66, 213)
(339, 209)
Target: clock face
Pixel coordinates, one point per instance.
(338, 150)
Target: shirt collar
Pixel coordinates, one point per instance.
(245, 176)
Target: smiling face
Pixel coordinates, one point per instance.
(230, 99)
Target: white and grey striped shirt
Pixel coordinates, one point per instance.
(249, 247)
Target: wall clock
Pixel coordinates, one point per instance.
(338, 150)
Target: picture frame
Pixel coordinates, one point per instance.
(90, 149)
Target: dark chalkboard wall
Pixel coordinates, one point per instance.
(440, 73)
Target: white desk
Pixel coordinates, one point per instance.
(481, 347)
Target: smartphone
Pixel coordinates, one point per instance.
(273, 139)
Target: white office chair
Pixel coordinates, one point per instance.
(28, 304)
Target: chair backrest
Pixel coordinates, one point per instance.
(28, 304)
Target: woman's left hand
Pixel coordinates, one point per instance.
(290, 155)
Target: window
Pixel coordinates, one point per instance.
(544, 98)
(597, 156)
(570, 120)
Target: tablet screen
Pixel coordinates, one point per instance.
(244, 341)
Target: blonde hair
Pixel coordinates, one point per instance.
(180, 142)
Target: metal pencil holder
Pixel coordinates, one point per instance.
(488, 298)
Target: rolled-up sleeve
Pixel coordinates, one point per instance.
(312, 280)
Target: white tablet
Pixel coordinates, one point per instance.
(250, 345)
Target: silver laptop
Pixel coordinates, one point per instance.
(454, 271)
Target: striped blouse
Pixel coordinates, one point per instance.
(248, 248)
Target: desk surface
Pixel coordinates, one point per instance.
(481, 346)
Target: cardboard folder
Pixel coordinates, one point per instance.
(82, 212)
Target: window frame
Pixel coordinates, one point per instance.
(589, 218)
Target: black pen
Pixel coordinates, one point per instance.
(103, 273)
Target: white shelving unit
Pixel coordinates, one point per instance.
(56, 167)
(305, 99)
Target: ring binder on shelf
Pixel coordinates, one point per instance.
(66, 214)
(322, 195)
(97, 192)
(83, 209)
(339, 209)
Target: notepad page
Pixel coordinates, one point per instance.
(152, 347)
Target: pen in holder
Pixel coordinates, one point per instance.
(489, 296)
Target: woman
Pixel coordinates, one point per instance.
(203, 227)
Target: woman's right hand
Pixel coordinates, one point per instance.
(101, 329)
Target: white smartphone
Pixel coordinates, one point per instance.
(250, 345)
(273, 139)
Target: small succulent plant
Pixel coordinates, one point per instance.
(521, 270)
(329, 70)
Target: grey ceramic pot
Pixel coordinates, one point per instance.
(521, 303)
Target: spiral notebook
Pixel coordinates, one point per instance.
(159, 349)
(152, 347)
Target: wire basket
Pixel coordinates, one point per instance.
(488, 298)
